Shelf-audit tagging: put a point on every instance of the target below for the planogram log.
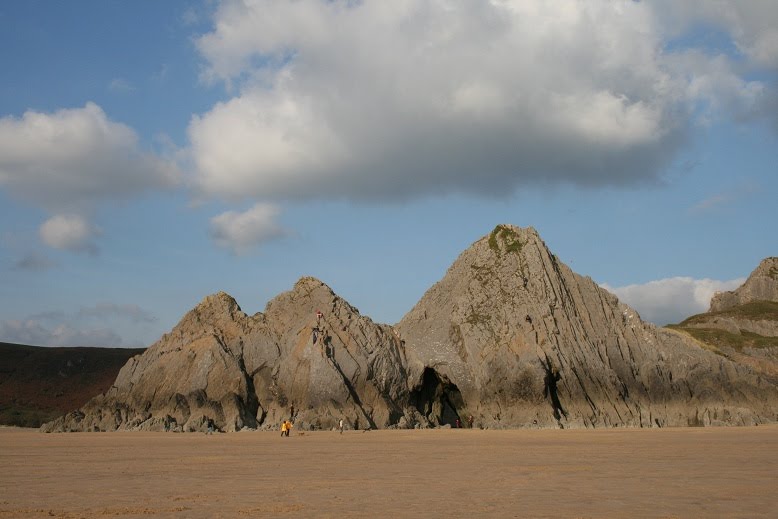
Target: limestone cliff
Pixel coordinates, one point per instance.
(516, 338)
(510, 336)
(761, 285)
(222, 369)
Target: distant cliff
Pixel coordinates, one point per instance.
(742, 325)
(510, 337)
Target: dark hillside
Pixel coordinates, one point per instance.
(38, 384)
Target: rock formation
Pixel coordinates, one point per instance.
(761, 285)
(509, 336)
(223, 369)
(521, 339)
(742, 325)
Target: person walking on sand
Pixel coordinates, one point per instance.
(288, 427)
(340, 425)
(283, 428)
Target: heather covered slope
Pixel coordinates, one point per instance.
(38, 384)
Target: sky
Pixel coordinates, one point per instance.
(152, 153)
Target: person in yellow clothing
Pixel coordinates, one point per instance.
(286, 426)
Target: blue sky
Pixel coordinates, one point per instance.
(152, 153)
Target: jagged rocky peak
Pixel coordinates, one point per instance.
(512, 336)
(308, 297)
(220, 304)
(216, 315)
(761, 285)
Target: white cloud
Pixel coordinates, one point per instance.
(72, 158)
(243, 231)
(709, 204)
(100, 325)
(672, 300)
(69, 232)
(752, 24)
(34, 333)
(130, 312)
(120, 86)
(717, 201)
(420, 97)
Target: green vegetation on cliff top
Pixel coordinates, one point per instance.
(754, 311)
(508, 237)
(716, 338)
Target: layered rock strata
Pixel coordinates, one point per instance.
(510, 337)
(524, 340)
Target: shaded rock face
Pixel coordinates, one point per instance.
(761, 285)
(510, 337)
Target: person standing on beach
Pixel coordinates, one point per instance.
(283, 428)
(340, 426)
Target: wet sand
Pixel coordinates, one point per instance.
(712, 472)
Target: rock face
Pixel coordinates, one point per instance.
(513, 337)
(510, 337)
(761, 285)
(223, 369)
(743, 325)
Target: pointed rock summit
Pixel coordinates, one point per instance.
(311, 357)
(761, 285)
(510, 337)
(518, 338)
(742, 325)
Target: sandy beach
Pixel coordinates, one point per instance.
(711, 472)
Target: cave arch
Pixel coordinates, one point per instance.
(437, 398)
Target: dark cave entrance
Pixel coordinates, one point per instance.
(437, 399)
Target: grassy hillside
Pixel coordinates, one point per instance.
(38, 384)
(721, 338)
(718, 338)
(755, 311)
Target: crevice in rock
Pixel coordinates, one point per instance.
(550, 380)
(251, 405)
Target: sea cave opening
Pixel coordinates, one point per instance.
(437, 399)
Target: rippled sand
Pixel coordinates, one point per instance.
(713, 472)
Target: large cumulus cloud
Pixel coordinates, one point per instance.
(75, 158)
(394, 99)
(672, 300)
